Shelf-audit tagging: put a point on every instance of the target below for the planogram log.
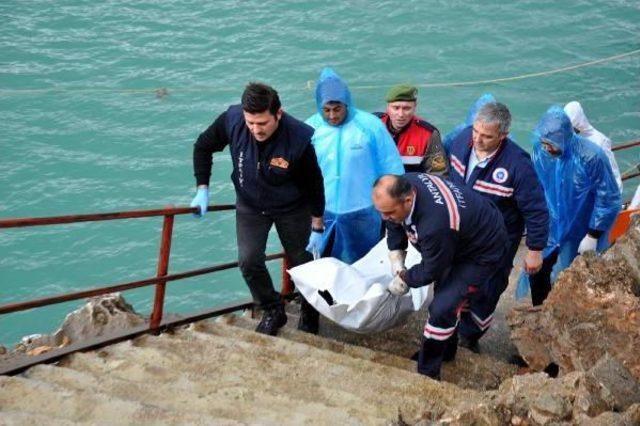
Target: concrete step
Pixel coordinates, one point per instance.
(224, 373)
(219, 399)
(35, 398)
(393, 348)
(214, 390)
(271, 372)
(18, 418)
(292, 334)
(287, 367)
(352, 356)
(198, 399)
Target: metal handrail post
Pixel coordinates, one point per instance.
(287, 284)
(163, 269)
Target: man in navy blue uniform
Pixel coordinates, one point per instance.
(277, 181)
(461, 237)
(484, 158)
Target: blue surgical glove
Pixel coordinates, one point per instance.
(201, 200)
(315, 239)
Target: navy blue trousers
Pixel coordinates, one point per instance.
(459, 300)
(496, 285)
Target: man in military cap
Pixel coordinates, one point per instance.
(417, 140)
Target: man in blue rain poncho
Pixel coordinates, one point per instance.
(473, 110)
(354, 149)
(581, 193)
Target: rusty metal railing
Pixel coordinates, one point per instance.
(160, 280)
(625, 145)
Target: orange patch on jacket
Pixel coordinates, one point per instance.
(279, 162)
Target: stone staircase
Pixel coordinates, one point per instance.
(223, 373)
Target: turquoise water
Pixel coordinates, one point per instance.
(82, 130)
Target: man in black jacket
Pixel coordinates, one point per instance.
(277, 181)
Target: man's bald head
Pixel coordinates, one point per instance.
(393, 197)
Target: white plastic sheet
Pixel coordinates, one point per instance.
(359, 293)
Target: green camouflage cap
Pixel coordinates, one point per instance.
(402, 92)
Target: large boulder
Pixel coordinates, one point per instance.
(100, 316)
(606, 392)
(593, 310)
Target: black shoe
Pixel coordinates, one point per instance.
(272, 320)
(309, 318)
(469, 343)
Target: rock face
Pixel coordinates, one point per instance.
(590, 397)
(593, 310)
(99, 316)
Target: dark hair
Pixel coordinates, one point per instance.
(399, 189)
(259, 97)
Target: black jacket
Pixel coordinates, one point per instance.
(449, 224)
(275, 176)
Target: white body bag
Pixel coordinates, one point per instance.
(355, 296)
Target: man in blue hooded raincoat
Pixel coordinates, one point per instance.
(581, 193)
(354, 149)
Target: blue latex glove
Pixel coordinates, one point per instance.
(315, 239)
(522, 290)
(201, 200)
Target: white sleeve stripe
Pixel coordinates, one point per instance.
(411, 159)
(491, 191)
(497, 187)
(458, 166)
(452, 207)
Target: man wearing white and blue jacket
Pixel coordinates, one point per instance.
(484, 158)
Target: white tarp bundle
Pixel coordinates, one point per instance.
(355, 296)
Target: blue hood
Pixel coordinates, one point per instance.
(475, 107)
(555, 127)
(332, 88)
(471, 115)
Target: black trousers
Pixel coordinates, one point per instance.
(252, 230)
(540, 282)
